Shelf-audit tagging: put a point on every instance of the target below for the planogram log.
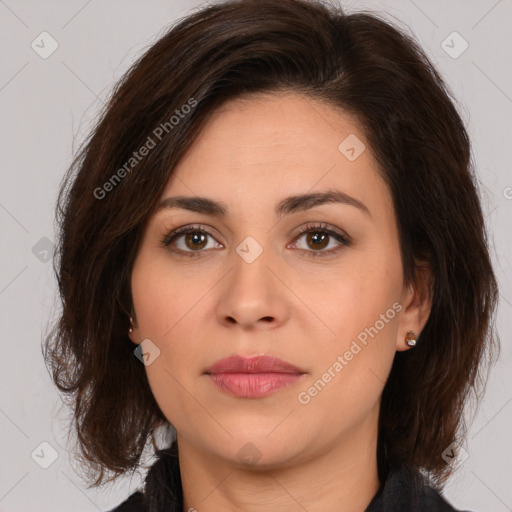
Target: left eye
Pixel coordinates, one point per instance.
(317, 238)
(320, 239)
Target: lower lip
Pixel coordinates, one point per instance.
(253, 385)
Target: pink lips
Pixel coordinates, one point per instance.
(253, 377)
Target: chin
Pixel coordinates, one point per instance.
(252, 447)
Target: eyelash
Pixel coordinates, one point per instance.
(321, 228)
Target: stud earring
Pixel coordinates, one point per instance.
(130, 330)
(410, 339)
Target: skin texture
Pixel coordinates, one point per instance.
(252, 153)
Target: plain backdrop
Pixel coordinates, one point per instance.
(47, 107)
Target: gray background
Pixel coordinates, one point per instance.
(48, 106)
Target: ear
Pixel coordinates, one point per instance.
(135, 334)
(417, 304)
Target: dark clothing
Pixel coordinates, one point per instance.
(403, 491)
(135, 503)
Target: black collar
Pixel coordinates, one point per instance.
(406, 490)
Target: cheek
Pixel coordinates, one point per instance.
(351, 368)
(351, 299)
(354, 356)
(168, 314)
(162, 296)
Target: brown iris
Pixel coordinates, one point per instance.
(317, 237)
(197, 239)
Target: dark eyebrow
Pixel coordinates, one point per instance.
(286, 206)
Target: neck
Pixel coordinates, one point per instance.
(342, 478)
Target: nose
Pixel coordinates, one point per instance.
(253, 294)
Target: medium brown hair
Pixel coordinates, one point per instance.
(358, 63)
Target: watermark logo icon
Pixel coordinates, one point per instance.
(454, 45)
(351, 147)
(249, 249)
(43, 250)
(454, 455)
(147, 352)
(249, 454)
(44, 45)
(44, 455)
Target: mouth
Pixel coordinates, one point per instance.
(253, 377)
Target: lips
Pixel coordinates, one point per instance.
(258, 364)
(253, 377)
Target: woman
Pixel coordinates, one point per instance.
(272, 245)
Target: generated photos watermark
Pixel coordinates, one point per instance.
(150, 143)
(304, 397)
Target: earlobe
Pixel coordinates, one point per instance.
(418, 305)
(409, 341)
(131, 332)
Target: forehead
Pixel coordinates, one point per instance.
(269, 145)
(281, 126)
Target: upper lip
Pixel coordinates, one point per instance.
(257, 364)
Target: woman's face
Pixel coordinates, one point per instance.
(248, 282)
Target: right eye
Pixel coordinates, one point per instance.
(188, 240)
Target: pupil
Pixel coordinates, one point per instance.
(197, 239)
(318, 239)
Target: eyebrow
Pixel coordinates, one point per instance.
(289, 205)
